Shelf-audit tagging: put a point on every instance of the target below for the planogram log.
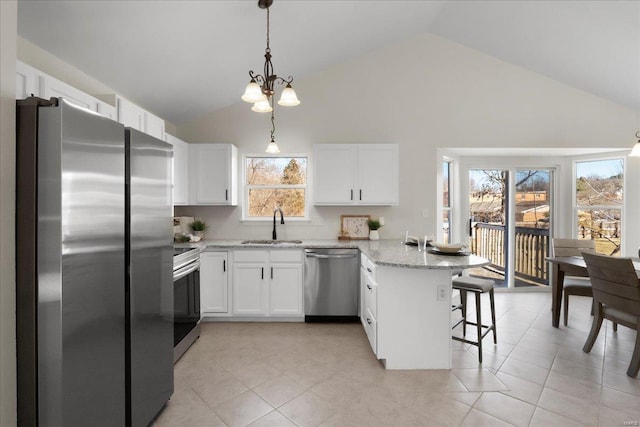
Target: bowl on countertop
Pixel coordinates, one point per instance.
(448, 247)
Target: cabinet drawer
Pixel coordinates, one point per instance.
(370, 268)
(371, 329)
(371, 296)
(283, 255)
(250, 256)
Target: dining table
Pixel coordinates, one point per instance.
(568, 266)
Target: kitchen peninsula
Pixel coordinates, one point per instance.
(405, 303)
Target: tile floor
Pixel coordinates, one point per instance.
(288, 374)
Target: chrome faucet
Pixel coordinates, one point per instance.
(275, 237)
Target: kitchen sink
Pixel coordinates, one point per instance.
(269, 242)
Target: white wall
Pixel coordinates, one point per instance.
(8, 34)
(424, 93)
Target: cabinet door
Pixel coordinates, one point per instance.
(213, 282)
(334, 176)
(286, 289)
(153, 125)
(130, 115)
(107, 110)
(214, 179)
(27, 82)
(180, 170)
(249, 293)
(52, 87)
(378, 180)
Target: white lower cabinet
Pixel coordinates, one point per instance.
(214, 286)
(249, 296)
(267, 283)
(369, 301)
(285, 291)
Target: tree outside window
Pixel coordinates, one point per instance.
(276, 182)
(599, 201)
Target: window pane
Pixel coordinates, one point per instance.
(599, 183)
(603, 226)
(533, 194)
(446, 237)
(276, 170)
(262, 202)
(445, 184)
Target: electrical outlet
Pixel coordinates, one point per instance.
(442, 292)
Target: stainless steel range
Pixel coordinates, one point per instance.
(186, 299)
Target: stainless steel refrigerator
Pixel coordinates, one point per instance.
(94, 282)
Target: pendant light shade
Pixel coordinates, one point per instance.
(262, 106)
(288, 97)
(635, 152)
(272, 148)
(253, 93)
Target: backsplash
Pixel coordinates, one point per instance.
(324, 223)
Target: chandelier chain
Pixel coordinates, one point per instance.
(268, 48)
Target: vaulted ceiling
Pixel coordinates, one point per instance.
(184, 59)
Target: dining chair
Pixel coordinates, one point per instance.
(616, 293)
(580, 286)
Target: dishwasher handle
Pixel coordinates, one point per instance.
(321, 256)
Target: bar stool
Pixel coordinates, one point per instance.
(478, 286)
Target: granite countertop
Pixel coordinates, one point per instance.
(383, 252)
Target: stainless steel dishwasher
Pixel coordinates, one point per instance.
(331, 285)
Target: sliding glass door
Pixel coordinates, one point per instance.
(509, 222)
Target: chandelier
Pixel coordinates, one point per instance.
(635, 152)
(261, 88)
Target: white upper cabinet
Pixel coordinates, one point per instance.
(107, 110)
(153, 125)
(356, 174)
(27, 81)
(180, 169)
(130, 115)
(213, 174)
(335, 174)
(136, 117)
(378, 174)
(51, 87)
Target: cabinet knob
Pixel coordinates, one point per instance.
(369, 270)
(368, 320)
(369, 287)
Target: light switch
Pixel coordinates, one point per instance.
(442, 293)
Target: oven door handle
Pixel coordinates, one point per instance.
(187, 269)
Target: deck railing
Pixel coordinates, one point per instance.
(531, 249)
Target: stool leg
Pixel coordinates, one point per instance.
(463, 302)
(493, 316)
(479, 322)
(566, 308)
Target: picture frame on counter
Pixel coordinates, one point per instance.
(354, 227)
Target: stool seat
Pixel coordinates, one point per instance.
(472, 284)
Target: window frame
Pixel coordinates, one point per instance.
(246, 187)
